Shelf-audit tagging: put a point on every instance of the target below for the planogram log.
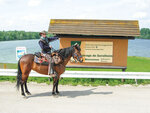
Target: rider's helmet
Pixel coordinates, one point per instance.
(42, 32)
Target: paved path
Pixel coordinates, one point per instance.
(75, 99)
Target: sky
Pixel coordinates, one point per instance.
(35, 15)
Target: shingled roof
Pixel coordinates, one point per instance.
(126, 28)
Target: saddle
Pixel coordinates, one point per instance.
(40, 59)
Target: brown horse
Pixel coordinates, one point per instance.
(26, 64)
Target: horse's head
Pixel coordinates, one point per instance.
(77, 53)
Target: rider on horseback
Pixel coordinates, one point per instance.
(46, 50)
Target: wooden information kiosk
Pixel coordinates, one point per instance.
(104, 43)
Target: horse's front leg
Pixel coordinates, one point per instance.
(57, 86)
(54, 85)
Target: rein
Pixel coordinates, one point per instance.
(78, 57)
(62, 55)
(58, 53)
(73, 55)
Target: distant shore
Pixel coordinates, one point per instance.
(23, 35)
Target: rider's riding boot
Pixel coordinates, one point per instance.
(50, 70)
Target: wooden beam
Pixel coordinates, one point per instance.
(91, 36)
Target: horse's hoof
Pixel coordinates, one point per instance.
(55, 96)
(23, 94)
(28, 93)
(53, 93)
(57, 92)
(25, 97)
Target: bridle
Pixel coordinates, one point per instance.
(78, 57)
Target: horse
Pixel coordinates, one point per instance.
(26, 64)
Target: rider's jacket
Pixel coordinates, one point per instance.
(44, 44)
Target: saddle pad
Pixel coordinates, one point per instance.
(40, 61)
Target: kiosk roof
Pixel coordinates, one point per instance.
(125, 28)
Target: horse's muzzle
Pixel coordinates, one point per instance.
(81, 61)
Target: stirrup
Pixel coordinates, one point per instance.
(52, 75)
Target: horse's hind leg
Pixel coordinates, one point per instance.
(26, 88)
(24, 83)
(22, 89)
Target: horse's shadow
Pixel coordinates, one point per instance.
(71, 94)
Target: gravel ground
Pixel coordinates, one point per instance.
(75, 99)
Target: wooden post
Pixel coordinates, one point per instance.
(136, 82)
(123, 70)
(5, 66)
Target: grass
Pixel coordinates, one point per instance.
(7, 78)
(138, 64)
(8, 66)
(134, 64)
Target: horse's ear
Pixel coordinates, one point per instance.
(53, 54)
(76, 44)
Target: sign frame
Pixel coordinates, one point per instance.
(99, 51)
(20, 51)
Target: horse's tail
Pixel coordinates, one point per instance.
(19, 75)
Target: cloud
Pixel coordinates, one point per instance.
(35, 17)
(33, 3)
(68, 1)
(140, 15)
(1, 2)
(141, 4)
(10, 22)
(28, 16)
(8, 2)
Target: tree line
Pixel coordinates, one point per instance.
(145, 33)
(22, 35)
(18, 35)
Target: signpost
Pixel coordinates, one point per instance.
(20, 51)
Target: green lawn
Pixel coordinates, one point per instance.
(134, 64)
(8, 66)
(138, 64)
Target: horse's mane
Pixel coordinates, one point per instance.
(65, 52)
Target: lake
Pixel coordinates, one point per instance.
(137, 47)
